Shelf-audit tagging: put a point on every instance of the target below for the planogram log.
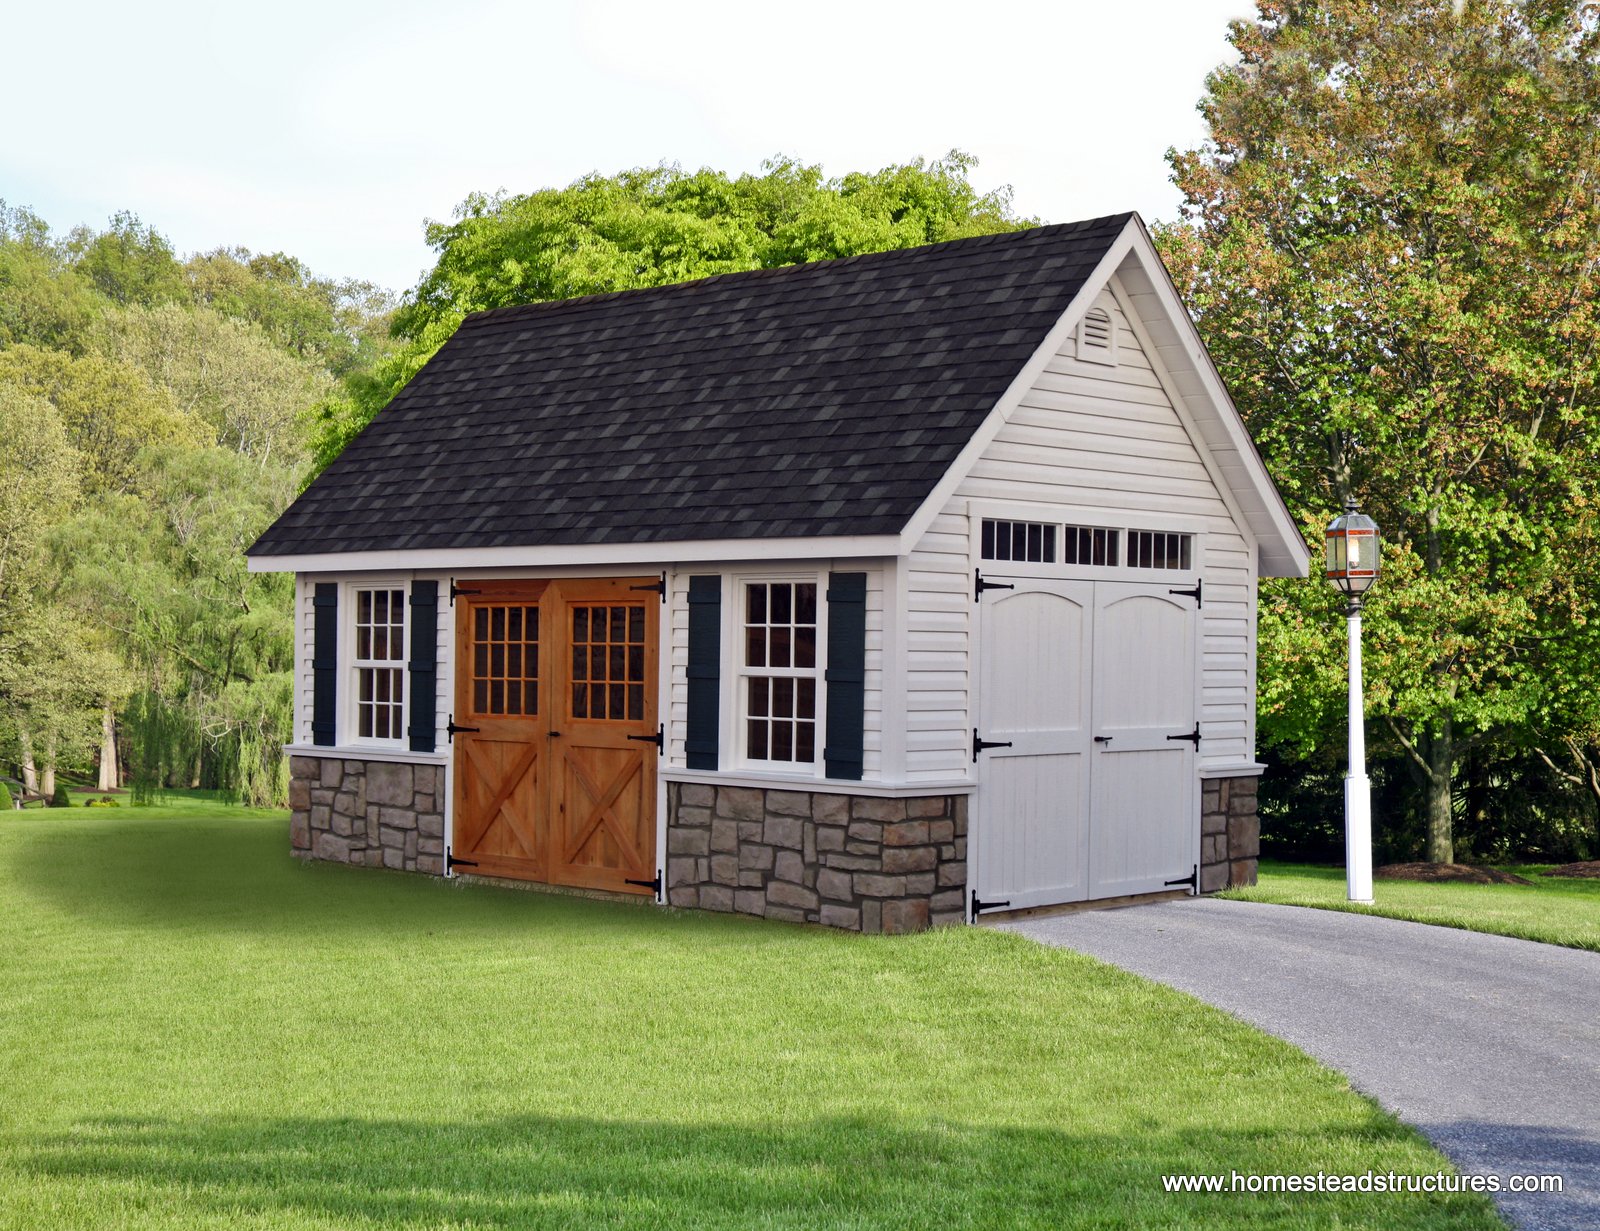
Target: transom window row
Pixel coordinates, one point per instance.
(1036, 542)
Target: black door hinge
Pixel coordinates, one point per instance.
(1193, 737)
(1192, 880)
(655, 587)
(455, 590)
(978, 745)
(659, 739)
(653, 886)
(1199, 588)
(451, 728)
(450, 861)
(979, 585)
(979, 907)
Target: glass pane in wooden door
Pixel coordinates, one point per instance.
(608, 662)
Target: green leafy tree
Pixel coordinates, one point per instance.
(43, 300)
(1390, 242)
(110, 410)
(129, 262)
(227, 373)
(342, 326)
(651, 227)
(210, 644)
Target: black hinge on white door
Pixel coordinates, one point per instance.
(978, 907)
(978, 745)
(1193, 736)
(979, 585)
(1199, 589)
(1192, 880)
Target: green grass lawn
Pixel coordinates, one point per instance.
(196, 1031)
(1555, 910)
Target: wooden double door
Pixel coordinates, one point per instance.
(556, 731)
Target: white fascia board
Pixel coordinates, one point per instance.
(1283, 550)
(1018, 388)
(610, 554)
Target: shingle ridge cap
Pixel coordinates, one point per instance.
(1049, 230)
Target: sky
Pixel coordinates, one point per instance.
(332, 129)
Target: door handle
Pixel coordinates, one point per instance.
(1102, 739)
(555, 735)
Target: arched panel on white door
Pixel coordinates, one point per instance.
(1035, 692)
(1144, 781)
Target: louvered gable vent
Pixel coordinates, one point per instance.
(1097, 337)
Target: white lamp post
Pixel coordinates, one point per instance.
(1352, 565)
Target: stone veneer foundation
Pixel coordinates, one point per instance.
(847, 861)
(376, 814)
(864, 863)
(1230, 833)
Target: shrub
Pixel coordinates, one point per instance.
(5, 798)
(104, 801)
(60, 799)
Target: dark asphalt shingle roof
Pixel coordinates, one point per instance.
(819, 399)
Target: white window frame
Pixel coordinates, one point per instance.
(735, 745)
(350, 676)
(1062, 516)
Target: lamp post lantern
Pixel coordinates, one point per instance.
(1352, 565)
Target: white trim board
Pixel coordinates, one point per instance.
(609, 555)
(357, 752)
(818, 786)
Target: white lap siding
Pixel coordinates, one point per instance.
(1085, 436)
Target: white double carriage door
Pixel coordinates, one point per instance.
(1087, 706)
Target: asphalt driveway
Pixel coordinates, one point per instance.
(1489, 1045)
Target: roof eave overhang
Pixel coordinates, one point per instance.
(654, 555)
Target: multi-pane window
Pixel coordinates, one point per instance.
(608, 662)
(380, 663)
(1030, 541)
(505, 659)
(1091, 545)
(779, 675)
(1159, 549)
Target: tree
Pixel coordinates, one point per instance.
(53, 673)
(226, 373)
(129, 262)
(342, 326)
(1390, 243)
(654, 226)
(110, 410)
(210, 644)
(43, 301)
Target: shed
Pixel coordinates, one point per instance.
(878, 592)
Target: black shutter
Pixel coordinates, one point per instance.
(424, 664)
(703, 733)
(325, 664)
(846, 675)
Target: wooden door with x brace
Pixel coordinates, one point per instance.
(555, 732)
